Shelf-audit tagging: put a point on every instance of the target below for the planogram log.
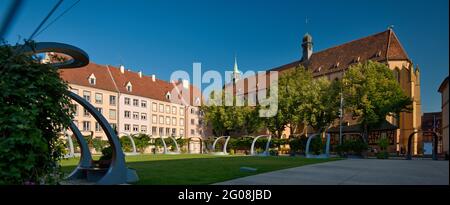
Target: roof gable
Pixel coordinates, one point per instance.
(80, 76)
(378, 47)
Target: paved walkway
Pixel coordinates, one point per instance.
(356, 172)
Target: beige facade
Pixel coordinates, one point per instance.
(132, 102)
(409, 79)
(167, 119)
(444, 89)
(105, 101)
(195, 128)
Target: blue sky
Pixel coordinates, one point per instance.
(160, 37)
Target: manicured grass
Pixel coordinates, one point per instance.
(191, 169)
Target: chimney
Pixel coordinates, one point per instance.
(307, 46)
(153, 78)
(140, 74)
(122, 69)
(186, 84)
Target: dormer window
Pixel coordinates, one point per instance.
(129, 87)
(378, 54)
(337, 65)
(168, 95)
(92, 79)
(319, 69)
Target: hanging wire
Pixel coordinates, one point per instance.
(62, 14)
(45, 19)
(12, 11)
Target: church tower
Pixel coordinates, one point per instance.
(307, 46)
(236, 75)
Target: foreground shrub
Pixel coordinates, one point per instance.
(33, 110)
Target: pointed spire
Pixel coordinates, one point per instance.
(236, 69)
(236, 74)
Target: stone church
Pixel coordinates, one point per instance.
(331, 63)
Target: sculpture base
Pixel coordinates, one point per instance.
(171, 153)
(320, 156)
(264, 154)
(219, 153)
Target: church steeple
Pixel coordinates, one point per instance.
(307, 46)
(236, 73)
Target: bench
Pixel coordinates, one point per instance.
(93, 174)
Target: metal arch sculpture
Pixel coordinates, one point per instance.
(224, 152)
(133, 145)
(201, 144)
(165, 146)
(117, 172)
(266, 150)
(435, 144)
(327, 148)
(85, 155)
(79, 57)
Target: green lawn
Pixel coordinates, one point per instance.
(190, 169)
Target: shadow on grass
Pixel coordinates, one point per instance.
(176, 170)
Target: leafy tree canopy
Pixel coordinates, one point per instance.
(33, 111)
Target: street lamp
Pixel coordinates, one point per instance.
(340, 117)
(341, 108)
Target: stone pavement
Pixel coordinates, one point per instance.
(355, 172)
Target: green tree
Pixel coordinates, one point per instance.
(321, 106)
(215, 114)
(141, 141)
(33, 111)
(230, 119)
(126, 144)
(372, 93)
(99, 144)
(304, 100)
(294, 87)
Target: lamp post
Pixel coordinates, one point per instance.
(340, 117)
(341, 108)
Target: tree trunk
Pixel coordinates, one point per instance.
(291, 130)
(366, 133)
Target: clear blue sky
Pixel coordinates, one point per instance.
(159, 37)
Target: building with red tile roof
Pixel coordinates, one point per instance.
(136, 103)
(331, 63)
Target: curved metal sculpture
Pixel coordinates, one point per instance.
(201, 144)
(224, 152)
(166, 151)
(117, 172)
(133, 145)
(435, 144)
(79, 57)
(266, 150)
(327, 148)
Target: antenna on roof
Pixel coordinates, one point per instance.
(306, 23)
(121, 60)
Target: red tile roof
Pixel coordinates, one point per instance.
(80, 76)
(110, 78)
(378, 47)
